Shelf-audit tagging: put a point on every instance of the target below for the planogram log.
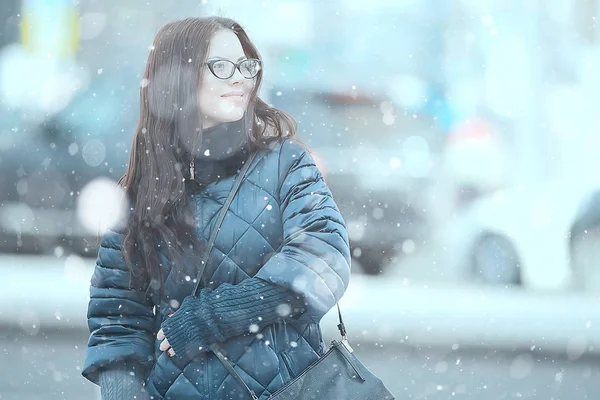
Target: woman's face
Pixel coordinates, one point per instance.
(223, 100)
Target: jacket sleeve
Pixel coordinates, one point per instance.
(120, 318)
(314, 260)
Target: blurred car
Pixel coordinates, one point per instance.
(47, 164)
(378, 169)
(584, 245)
(536, 236)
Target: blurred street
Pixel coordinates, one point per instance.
(425, 341)
(48, 367)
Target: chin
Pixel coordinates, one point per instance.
(234, 116)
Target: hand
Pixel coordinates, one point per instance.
(165, 346)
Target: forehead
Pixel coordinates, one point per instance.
(225, 44)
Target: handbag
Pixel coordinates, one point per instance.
(337, 374)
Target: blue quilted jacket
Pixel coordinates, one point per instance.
(283, 227)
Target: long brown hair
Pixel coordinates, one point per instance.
(160, 214)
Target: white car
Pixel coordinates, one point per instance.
(537, 236)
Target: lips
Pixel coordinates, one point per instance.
(233, 95)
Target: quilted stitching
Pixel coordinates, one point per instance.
(252, 242)
(252, 231)
(241, 238)
(228, 263)
(233, 217)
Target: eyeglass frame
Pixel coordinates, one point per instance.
(235, 65)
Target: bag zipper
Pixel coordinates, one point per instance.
(332, 348)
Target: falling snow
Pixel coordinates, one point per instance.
(457, 143)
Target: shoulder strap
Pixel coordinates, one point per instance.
(211, 242)
(222, 212)
(232, 371)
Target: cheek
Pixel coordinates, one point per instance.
(207, 96)
(250, 86)
(208, 89)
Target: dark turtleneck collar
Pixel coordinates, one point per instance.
(222, 141)
(224, 149)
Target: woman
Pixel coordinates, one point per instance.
(281, 259)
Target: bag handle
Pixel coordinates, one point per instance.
(213, 236)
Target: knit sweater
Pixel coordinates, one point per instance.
(123, 381)
(214, 315)
(229, 310)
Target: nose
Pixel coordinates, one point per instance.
(237, 77)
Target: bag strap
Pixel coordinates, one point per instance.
(222, 212)
(232, 371)
(211, 242)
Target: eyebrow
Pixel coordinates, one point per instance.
(224, 58)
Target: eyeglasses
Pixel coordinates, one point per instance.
(224, 69)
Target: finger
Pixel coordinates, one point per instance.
(164, 345)
(161, 335)
(171, 352)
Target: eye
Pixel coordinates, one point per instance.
(220, 66)
(250, 67)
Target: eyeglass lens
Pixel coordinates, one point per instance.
(224, 69)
